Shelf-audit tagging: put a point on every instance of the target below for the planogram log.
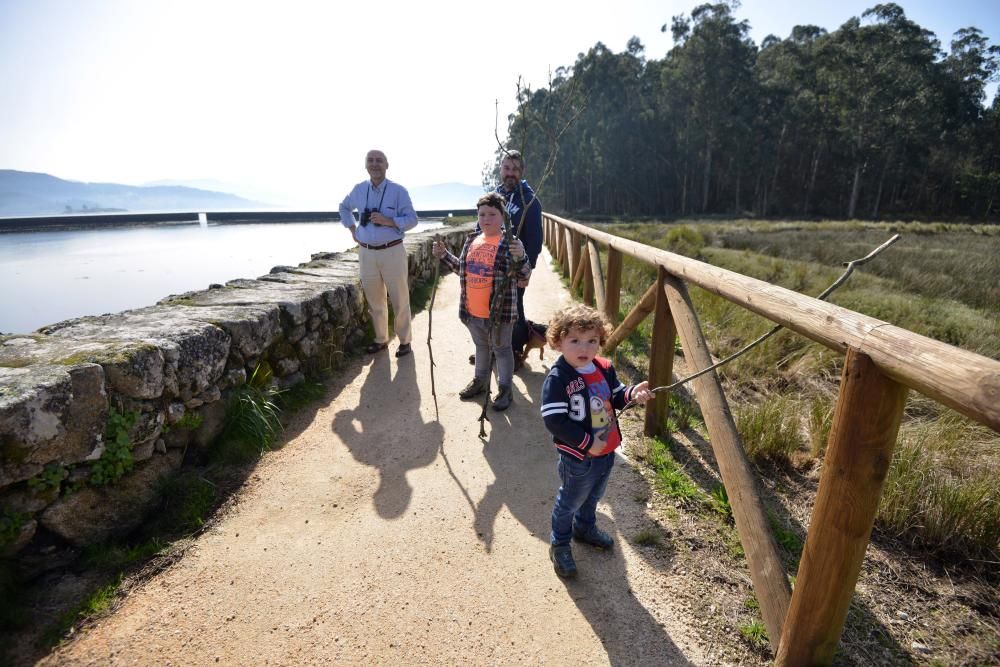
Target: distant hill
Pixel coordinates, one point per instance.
(444, 196)
(30, 193)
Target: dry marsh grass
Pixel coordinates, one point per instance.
(940, 280)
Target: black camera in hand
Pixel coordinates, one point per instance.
(366, 215)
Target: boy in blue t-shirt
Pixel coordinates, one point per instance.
(579, 399)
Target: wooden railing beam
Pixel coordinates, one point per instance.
(962, 380)
(635, 317)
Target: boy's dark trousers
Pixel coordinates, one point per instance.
(583, 485)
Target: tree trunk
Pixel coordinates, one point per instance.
(684, 193)
(590, 191)
(739, 180)
(777, 159)
(707, 175)
(812, 181)
(855, 191)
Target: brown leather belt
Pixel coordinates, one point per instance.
(380, 247)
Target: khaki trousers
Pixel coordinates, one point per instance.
(381, 271)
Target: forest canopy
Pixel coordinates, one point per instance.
(871, 120)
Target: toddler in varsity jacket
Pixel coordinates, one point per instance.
(579, 399)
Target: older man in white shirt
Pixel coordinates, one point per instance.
(385, 212)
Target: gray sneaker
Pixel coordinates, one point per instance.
(503, 399)
(474, 388)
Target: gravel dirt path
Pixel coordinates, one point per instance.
(380, 535)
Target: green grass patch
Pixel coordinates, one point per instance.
(755, 633)
(770, 428)
(420, 295)
(187, 500)
(941, 489)
(299, 396)
(253, 420)
(671, 479)
(786, 538)
(820, 423)
(719, 502)
(97, 603)
(682, 413)
(190, 421)
(648, 537)
(114, 556)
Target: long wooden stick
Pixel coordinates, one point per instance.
(430, 326)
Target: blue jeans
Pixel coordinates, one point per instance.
(583, 484)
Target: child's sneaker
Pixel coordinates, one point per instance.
(595, 537)
(562, 561)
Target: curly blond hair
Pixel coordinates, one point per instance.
(577, 316)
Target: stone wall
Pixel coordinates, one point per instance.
(172, 367)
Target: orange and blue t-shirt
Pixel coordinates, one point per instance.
(479, 263)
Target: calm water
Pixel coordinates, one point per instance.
(46, 277)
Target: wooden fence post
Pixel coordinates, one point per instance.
(564, 250)
(661, 360)
(596, 281)
(613, 292)
(588, 275)
(865, 425)
(770, 584)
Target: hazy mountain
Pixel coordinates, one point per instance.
(445, 196)
(274, 198)
(30, 193)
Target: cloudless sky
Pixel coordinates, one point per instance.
(286, 97)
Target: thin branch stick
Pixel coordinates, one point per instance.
(822, 296)
(430, 326)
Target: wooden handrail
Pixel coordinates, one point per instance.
(882, 362)
(963, 380)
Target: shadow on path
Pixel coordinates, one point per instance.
(386, 431)
(523, 460)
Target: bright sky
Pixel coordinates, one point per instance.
(287, 97)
